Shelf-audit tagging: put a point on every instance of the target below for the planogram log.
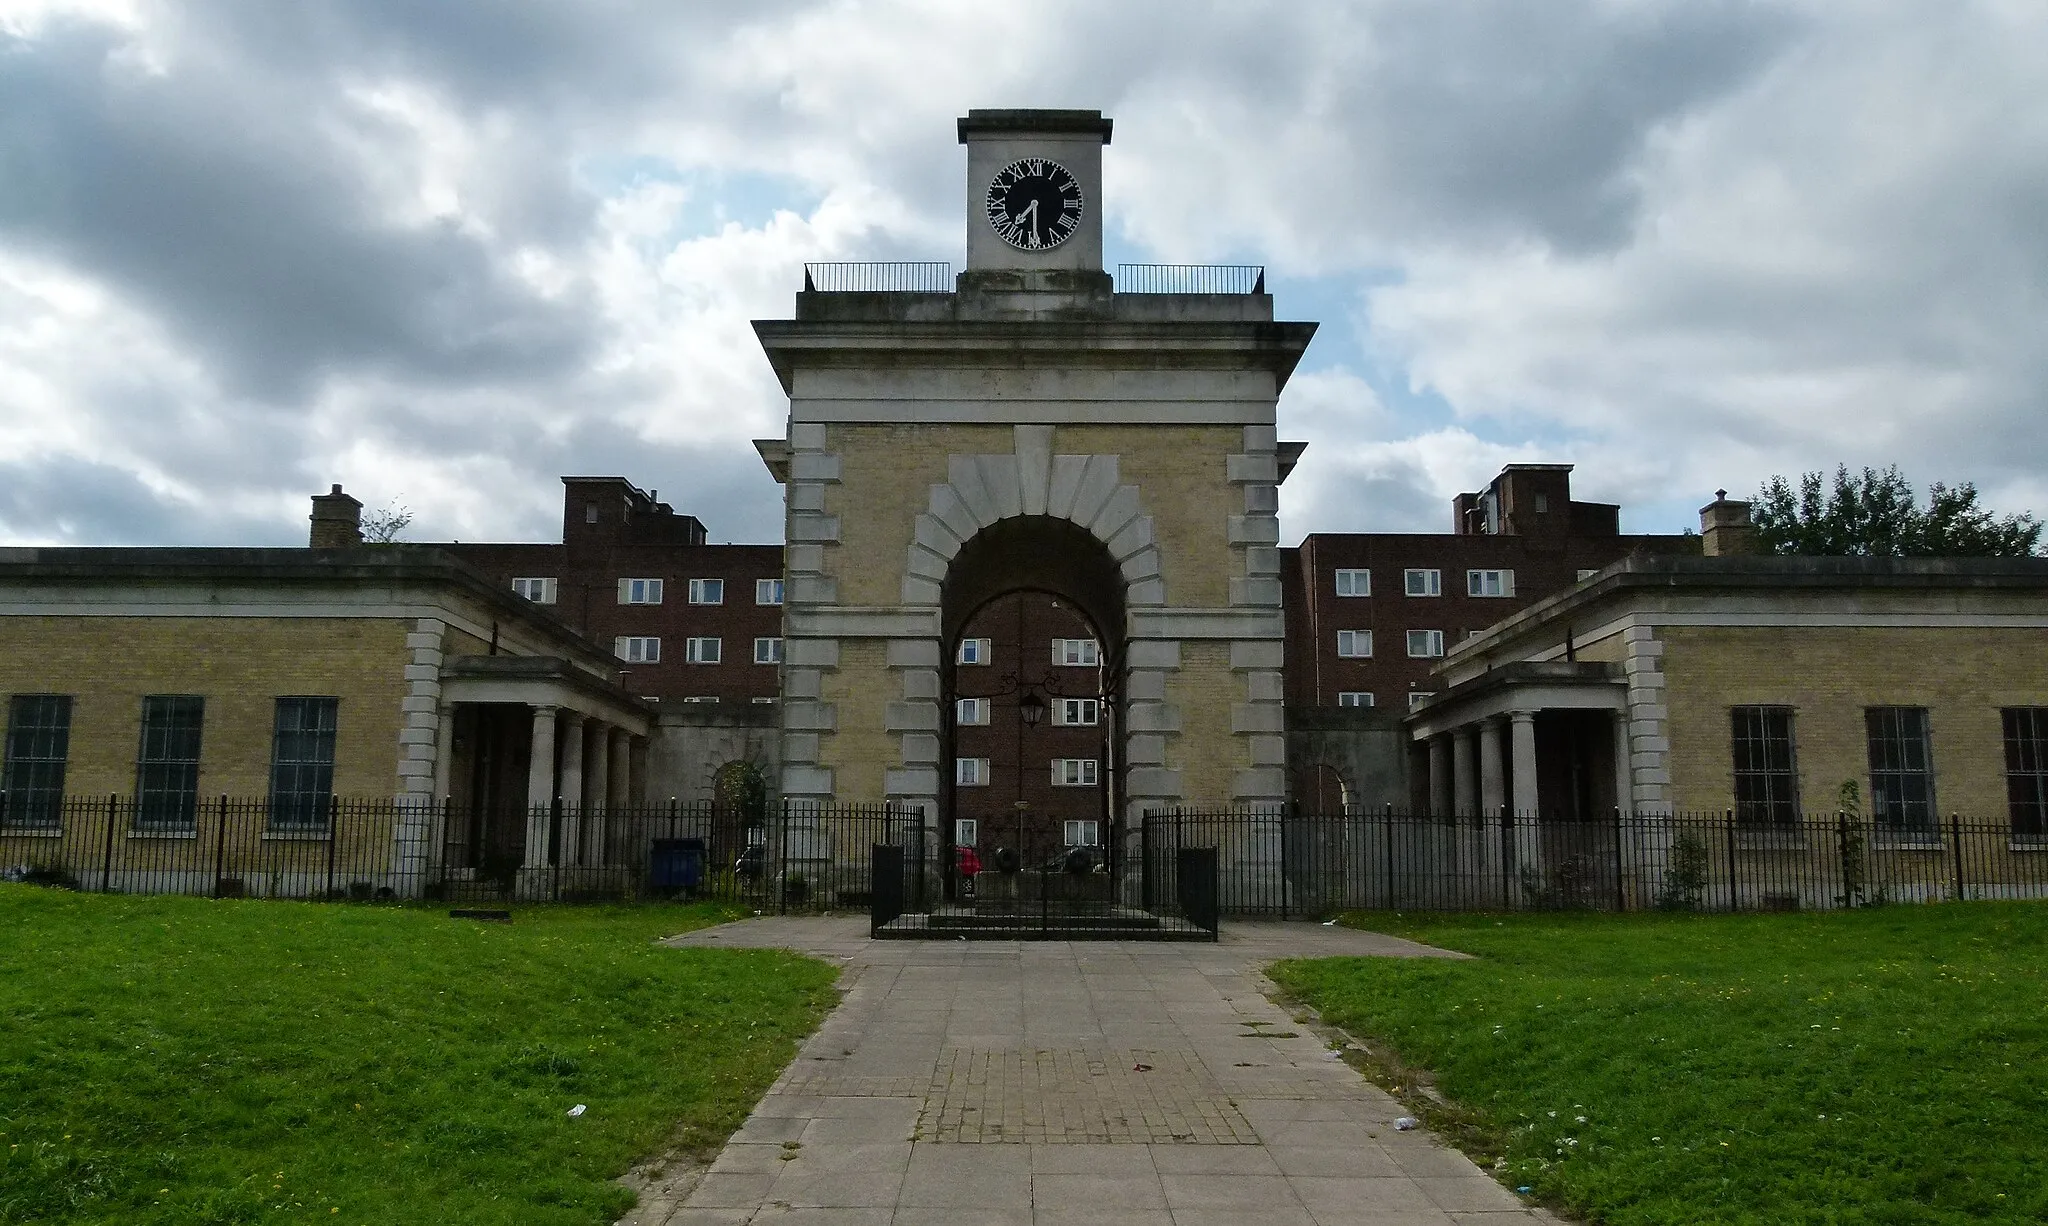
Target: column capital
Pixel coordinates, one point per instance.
(1522, 717)
(545, 708)
(571, 715)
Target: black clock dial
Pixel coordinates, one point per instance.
(1034, 204)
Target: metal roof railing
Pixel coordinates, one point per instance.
(879, 277)
(1190, 279)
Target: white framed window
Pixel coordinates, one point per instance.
(1422, 582)
(767, 651)
(970, 772)
(589, 512)
(1425, 644)
(1354, 698)
(1078, 653)
(1354, 644)
(1073, 772)
(967, 831)
(637, 650)
(639, 591)
(970, 712)
(1077, 712)
(1083, 832)
(701, 698)
(1354, 583)
(974, 651)
(764, 702)
(1586, 573)
(1473, 634)
(707, 591)
(1489, 583)
(539, 591)
(704, 651)
(1417, 697)
(767, 591)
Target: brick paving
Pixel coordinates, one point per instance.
(1043, 1083)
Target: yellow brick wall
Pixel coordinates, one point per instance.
(1207, 753)
(239, 665)
(860, 689)
(1828, 675)
(887, 471)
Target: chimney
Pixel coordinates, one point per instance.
(337, 521)
(1725, 529)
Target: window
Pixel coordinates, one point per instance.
(38, 743)
(966, 831)
(1354, 698)
(768, 701)
(703, 651)
(1423, 582)
(973, 651)
(1073, 772)
(767, 591)
(640, 591)
(589, 512)
(1766, 781)
(2026, 771)
(970, 711)
(1417, 697)
(167, 765)
(700, 698)
(1489, 583)
(539, 591)
(1473, 634)
(1083, 833)
(1901, 769)
(1079, 653)
(637, 650)
(767, 651)
(302, 763)
(1077, 712)
(1586, 573)
(1354, 644)
(707, 591)
(1354, 583)
(1423, 644)
(970, 772)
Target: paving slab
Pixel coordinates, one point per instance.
(1033, 1083)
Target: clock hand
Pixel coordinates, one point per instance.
(1030, 211)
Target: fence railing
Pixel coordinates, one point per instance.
(879, 277)
(1190, 279)
(1283, 862)
(796, 856)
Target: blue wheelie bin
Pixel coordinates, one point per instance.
(678, 864)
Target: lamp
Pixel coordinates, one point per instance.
(1031, 707)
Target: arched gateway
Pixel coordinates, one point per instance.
(1033, 425)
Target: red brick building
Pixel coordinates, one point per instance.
(691, 622)
(1370, 614)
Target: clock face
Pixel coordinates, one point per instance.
(1034, 204)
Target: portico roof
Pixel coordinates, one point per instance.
(1525, 685)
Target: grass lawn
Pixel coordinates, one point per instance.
(175, 1060)
(1887, 1065)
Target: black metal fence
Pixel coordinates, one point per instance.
(879, 277)
(1190, 279)
(799, 856)
(1282, 862)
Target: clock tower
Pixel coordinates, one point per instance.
(1033, 425)
(1027, 173)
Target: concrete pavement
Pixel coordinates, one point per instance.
(1039, 1083)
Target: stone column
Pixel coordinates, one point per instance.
(444, 754)
(572, 787)
(1464, 773)
(540, 787)
(618, 798)
(1522, 757)
(1439, 775)
(1492, 778)
(597, 792)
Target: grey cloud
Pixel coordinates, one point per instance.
(244, 236)
(68, 501)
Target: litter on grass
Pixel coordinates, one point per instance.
(1406, 1123)
(577, 1110)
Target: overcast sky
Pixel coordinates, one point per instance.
(445, 253)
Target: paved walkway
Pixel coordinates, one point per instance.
(1008, 1083)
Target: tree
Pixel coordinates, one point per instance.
(1877, 514)
(387, 525)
